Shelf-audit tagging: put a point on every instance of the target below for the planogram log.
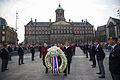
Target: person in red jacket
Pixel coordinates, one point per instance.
(44, 52)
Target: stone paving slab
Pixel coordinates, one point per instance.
(34, 70)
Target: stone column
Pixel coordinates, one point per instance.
(107, 32)
(116, 35)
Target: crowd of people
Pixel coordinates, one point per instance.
(93, 51)
(96, 54)
(7, 50)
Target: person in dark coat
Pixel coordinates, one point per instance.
(114, 59)
(93, 53)
(85, 50)
(10, 52)
(32, 50)
(68, 54)
(90, 52)
(21, 54)
(4, 57)
(40, 50)
(100, 57)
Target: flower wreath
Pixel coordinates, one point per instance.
(55, 51)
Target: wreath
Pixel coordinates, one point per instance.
(52, 52)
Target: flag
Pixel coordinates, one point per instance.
(55, 66)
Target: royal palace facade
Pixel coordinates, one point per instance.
(59, 31)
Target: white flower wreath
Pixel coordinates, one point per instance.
(55, 51)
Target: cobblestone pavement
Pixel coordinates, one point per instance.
(34, 70)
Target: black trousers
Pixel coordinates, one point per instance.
(4, 64)
(115, 76)
(90, 54)
(93, 60)
(33, 54)
(67, 70)
(20, 61)
(101, 67)
(46, 71)
(40, 55)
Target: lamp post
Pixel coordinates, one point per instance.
(16, 27)
(118, 12)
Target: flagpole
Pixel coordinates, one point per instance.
(16, 27)
(16, 20)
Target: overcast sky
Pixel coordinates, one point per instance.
(97, 12)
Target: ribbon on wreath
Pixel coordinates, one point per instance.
(55, 64)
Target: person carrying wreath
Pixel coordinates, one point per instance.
(68, 54)
(44, 52)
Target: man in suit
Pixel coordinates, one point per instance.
(93, 53)
(10, 51)
(100, 57)
(114, 58)
(21, 54)
(4, 57)
(32, 50)
(68, 54)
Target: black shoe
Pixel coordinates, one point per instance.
(101, 76)
(93, 66)
(23, 63)
(6, 69)
(90, 59)
(46, 71)
(98, 73)
(65, 74)
(3, 71)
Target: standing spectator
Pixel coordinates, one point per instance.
(86, 50)
(89, 51)
(100, 57)
(32, 50)
(114, 59)
(4, 57)
(21, 54)
(10, 52)
(68, 54)
(40, 50)
(93, 53)
(44, 52)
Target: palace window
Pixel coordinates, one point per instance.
(67, 31)
(45, 32)
(3, 32)
(3, 38)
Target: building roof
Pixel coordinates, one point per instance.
(3, 22)
(116, 20)
(61, 23)
(101, 28)
(47, 24)
(81, 23)
(41, 24)
(113, 22)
